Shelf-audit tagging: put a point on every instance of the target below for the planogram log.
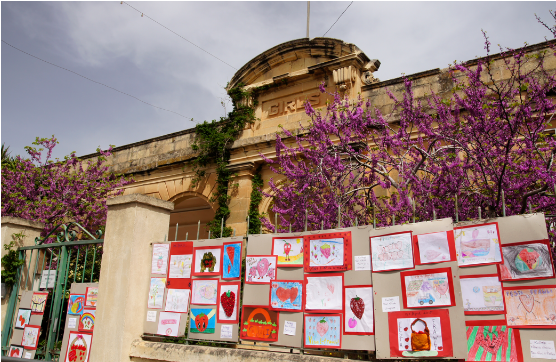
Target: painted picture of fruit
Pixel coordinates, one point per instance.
(357, 306)
(208, 262)
(259, 324)
(203, 320)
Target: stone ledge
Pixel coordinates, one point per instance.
(22, 222)
(141, 199)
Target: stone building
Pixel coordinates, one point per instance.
(293, 70)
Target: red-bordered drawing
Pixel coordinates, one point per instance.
(205, 265)
(260, 269)
(179, 248)
(358, 310)
(288, 251)
(528, 260)
(437, 247)
(231, 260)
(228, 302)
(286, 295)
(477, 250)
(324, 293)
(259, 323)
(30, 339)
(484, 345)
(204, 291)
(75, 346)
(415, 331)
(323, 252)
(491, 294)
(87, 320)
(392, 253)
(530, 306)
(319, 328)
(428, 288)
(38, 302)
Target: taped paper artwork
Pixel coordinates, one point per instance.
(76, 304)
(326, 252)
(527, 261)
(427, 290)
(289, 251)
(87, 320)
(323, 331)
(30, 337)
(160, 258)
(156, 292)
(531, 307)
(232, 261)
(79, 347)
(168, 324)
(92, 295)
(434, 247)
(180, 266)
(227, 307)
(207, 260)
(15, 351)
(359, 313)
(260, 268)
(478, 244)
(286, 295)
(482, 295)
(324, 293)
(38, 303)
(392, 252)
(492, 343)
(23, 317)
(177, 300)
(204, 291)
(259, 324)
(203, 320)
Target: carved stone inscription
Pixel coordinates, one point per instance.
(290, 104)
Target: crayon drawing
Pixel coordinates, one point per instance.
(392, 252)
(15, 351)
(479, 244)
(427, 290)
(30, 337)
(260, 268)
(289, 251)
(434, 247)
(23, 318)
(168, 324)
(156, 293)
(76, 304)
(38, 303)
(531, 306)
(160, 258)
(79, 347)
(204, 291)
(526, 261)
(203, 320)
(180, 266)
(177, 300)
(482, 294)
(359, 312)
(324, 293)
(286, 295)
(92, 295)
(232, 261)
(326, 252)
(491, 343)
(87, 320)
(323, 331)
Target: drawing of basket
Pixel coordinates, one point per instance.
(420, 341)
(78, 352)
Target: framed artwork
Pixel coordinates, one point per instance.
(286, 295)
(392, 251)
(231, 262)
(179, 267)
(204, 291)
(228, 302)
(327, 252)
(31, 337)
(433, 248)
(530, 307)
(493, 341)
(160, 258)
(422, 333)
(15, 351)
(203, 320)
(168, 324)
(91, 297)
(177, 300)
(156, 293)
(324, 293)
(23, 318)
(87, 320)
(482, 294)
(76, 304)
(526, 260)
(289, 251)
(259, 323)
(322, 331)
(428, 288)
(260, 269)
(358, 310)
(79, 347)
(207, 260)
(38, 303)
(478, 244)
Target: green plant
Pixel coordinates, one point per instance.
(256, 198)
(11, 261)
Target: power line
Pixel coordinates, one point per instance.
(337, 19)
(94, 81)
(145, 15)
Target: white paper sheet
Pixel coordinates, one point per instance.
(180, 266)
(226, 331)
(359, 311)
(392, 252)
(260, 269)
(199, 253)
(430, 290)
(160, 258)
(481, 294)
(234, 292)
(151, 316)
(289, 328)
(156, 293)
(27, 355)
(391, 304)
(168, 324)
(326, 252)
(177, 300)
(204, 291)
(542, 349)
(48, 276)
(324, 293)
(434, 247)
(478, 245)
(72, 322)
(362, 262)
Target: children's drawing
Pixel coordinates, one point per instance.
(15, 351)
(207, 260)
(286, 295)
(478, 244)
(92, 295)
(289, 251)
(228, 302)
(76, 304)
(482, 294)
(358, 310)
(327, 252)
(156, 293)
(38, 303)
(486, 342)
(531, 306)
(260, 268)
(87, 320)
(435, 247)
(428, 288)
(323, 331)
(231, 267)
(392, 252)
(324, 293)
(160, 258)
(79, 347)
(23, 318)
(529, 260)
(258, 323)
(180, 266)
(168, 324)
(177, 300)
(204, 291)
(30, 337)
(203, 320)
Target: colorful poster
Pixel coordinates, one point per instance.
(492, 341)
(203, 320)
(15, 351)
(482, 294)
(286, 295)
(258, 323)
(38, 303)
(31, 337)
(323, 331)
(231, 267)
(327, 252)
(436, 247)
(23, 318)
(478, 244)
(228, 302)
(289, 251)
(358, 310)
(260, 269)
(168, 324)
(177, 300)
(181, 261)
(91, 297)
(79, 347)
(392, 252)
(324, 293)
(76, 304)
(204, 291)
(87, 320)
(180, 266)
(531, 307)
(207, 260)
(428, 288)
(528, 260)
(160, 258)
(156, 293)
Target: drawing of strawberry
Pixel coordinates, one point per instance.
(357, 306)
(228, 299)
(231, 252)
(325, 250)
(322, 327)
(201, 322)
(262, 267)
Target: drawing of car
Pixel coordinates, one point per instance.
(428, 299)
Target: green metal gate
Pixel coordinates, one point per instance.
(75, 261)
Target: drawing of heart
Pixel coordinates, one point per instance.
(432, 254)
(322, 327)
(262, 267)
(528, 256)
(490, 341)
(528, 301)
(441, 288)
(331, 288)
(285, 294)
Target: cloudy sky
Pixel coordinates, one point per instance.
(112, 44)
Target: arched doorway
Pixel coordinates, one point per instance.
(188, 211)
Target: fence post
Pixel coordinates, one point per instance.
(503, 205)
(306, 216)
(413, 203)
(433, 214)
(480, 212)
(176, 236)
(339, 217)
(457, 212)
(55, 315)
(374, 217)
(222, 228)
(198, 229)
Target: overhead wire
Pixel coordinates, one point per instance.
(337, 19)
(94, 81)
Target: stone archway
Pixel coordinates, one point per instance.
(190, 208)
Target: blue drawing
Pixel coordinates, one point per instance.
(322, 331)
(286, 295)
(232, 261)
(203, 320)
